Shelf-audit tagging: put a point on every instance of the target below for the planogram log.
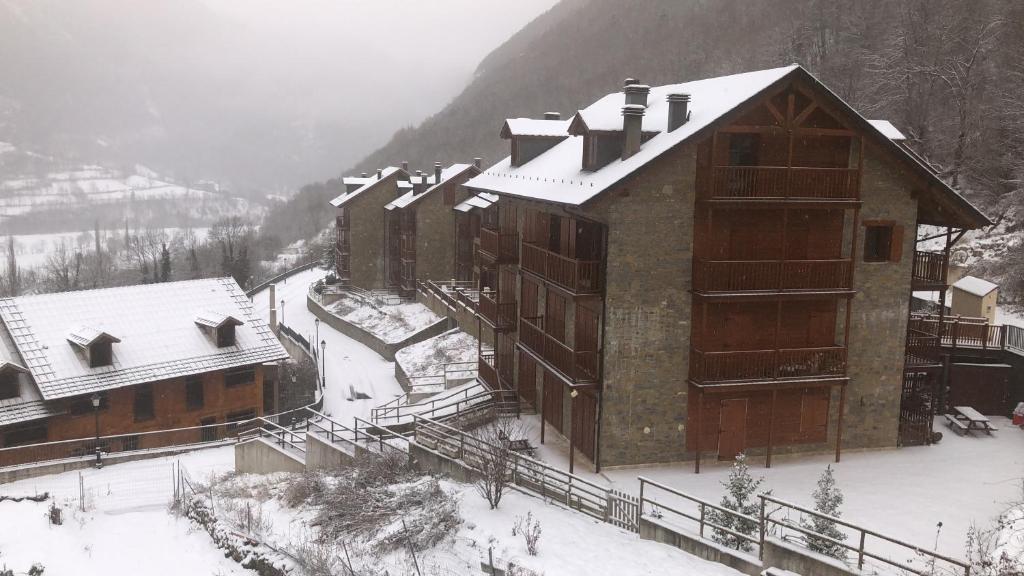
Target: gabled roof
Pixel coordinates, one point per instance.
(556, 175)
(888, 130)
(534, 127)
(346, 197)
(412, 197)
(481, 200)
(84, 336)
(974, 285)
(211, 319)
(157, 327)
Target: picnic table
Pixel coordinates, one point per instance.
(965, 419)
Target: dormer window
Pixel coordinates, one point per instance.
(9, 387)
(220, 327)
(95, 343)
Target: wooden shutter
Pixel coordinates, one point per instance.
(896, 246)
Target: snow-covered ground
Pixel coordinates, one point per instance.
(125, 529)
(32, 250)
(349, 365)
(389, 323)
(429, 357)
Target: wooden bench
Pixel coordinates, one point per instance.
(956, 425)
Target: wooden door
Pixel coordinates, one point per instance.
(814, 414)
(732, 428)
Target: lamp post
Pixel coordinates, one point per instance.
(323, 364)
(96, 412)
(282, 310)
(316, 322)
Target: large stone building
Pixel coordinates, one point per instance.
(708, 268)
(153, 357)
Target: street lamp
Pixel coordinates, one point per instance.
(323, 364)
(316, 322)
(282, 310)
(96, 412)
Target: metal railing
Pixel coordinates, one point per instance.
(702, 512)
(862, 552)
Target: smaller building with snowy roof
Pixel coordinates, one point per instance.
(974, 297)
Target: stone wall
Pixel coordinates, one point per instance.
(259, 456)
(659, 531)
(367, 233)
(647, 312)
(878, 325)
(435, 238)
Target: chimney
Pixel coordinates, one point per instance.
(380, 173)
(437, 172)
(678, 110)
(478, 162)
(632, 123)
(405, 165)
(637, 94)
(273, 307)
(552, 116)
(629, 81)
(363, 175)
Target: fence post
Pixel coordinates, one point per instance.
(860, 551)
(702, 517)
(355, 428)
(640, 504)
(760, 547)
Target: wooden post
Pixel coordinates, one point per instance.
(543, 407)
(771, 430)
(839, 422)
(572, 433)
(700, 408)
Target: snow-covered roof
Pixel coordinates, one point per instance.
(156, 324)
(412, 197)
(214, 319)
(974, 285)
(28, 404)
(357, 180)
(400, 202)
(888, 130)
(556, 175)
(535, 127)
(481, 200)
(345, 197)
(85, 336)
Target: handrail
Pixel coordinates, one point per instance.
(703, 505)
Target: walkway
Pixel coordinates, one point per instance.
(350, 365)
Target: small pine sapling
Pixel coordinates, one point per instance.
(827, 500)
(741, 497)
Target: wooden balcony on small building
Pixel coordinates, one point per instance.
(575, 276)
(929, 271)
(578, 366)
(783, 184)
(767, 365)
(501, 315)
(498, 246)
(742, 276)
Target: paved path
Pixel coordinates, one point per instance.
(349, 364)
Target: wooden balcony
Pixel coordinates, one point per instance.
(486, 369)
(923, 350)
(929, 271)
(782, 183)
(577, 366)
(499, 247)
(772, 275)
(501, 315)
(747, 365)
(964, 332)
(576, 276)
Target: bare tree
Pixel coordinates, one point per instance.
(494, 458)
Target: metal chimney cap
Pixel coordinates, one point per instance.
(637, 89)
(678, 98)
(552, 115)
(633, 110)
(629, 81)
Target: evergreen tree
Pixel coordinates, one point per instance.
(193, 261)
(741, 497)
(241, 267)
(165, 263)
(827, 500)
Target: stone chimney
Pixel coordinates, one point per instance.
(632, 124)
(637, 94)
(552, 116)
(273, 307)
(405, 165)
(380, 173)
(629, 81)
(478, 162)
(678, 110)
(363, 175)
(437, 172)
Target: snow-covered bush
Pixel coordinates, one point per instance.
(306, 487)
(530, 528)
(741, 497)
(827, 500)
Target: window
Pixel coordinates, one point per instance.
(883, 242)
(239, 377)
(9, 385)
(83, 404)
(226, 335)
(194, 392)
(143, 405)
(34, 434)
(101, 354)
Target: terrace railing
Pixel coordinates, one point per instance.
(929, 269)
(767, 364)
(764, 275)
(577, 365)
(965, 332)
(577, 276)
(783, 183)
(498, 246)
(501, 315)
(662, 502)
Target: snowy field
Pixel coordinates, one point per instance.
(125, 529)
(350, 366)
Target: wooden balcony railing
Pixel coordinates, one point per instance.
(962, 331)
(501, 315)
(487, 371)
(923, 350)
(500, 247)
(760, 275)
(767, 364)
(929, 269)
(577, 366)
(782, 183)
(577, 276)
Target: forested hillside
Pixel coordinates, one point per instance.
(948, 73)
